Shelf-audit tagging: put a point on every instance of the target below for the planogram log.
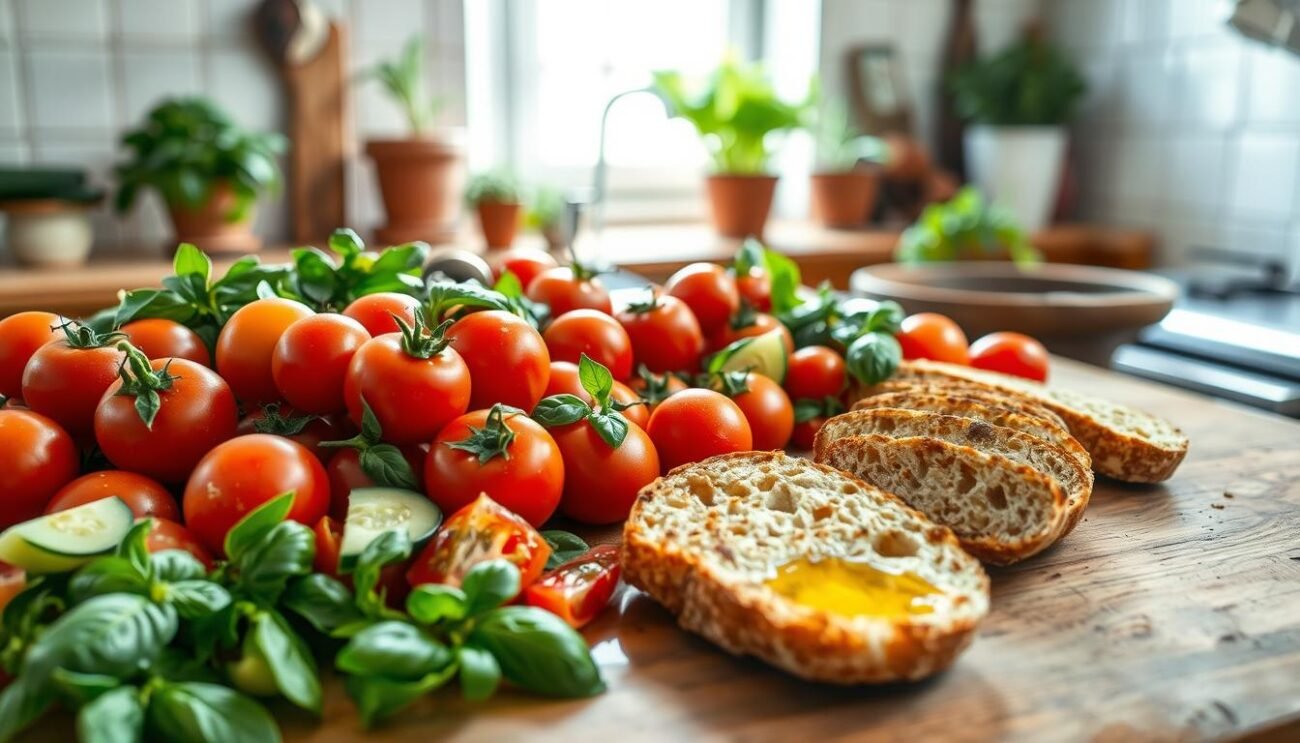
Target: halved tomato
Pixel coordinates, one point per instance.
(483, 530)
(578, 590)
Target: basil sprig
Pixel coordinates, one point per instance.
(603, 414)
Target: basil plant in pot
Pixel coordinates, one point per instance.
(735, 111)
(1018, 102)
(208, 170)
(495, 196)
(845, 185)
(421, 174)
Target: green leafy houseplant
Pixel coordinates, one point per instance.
(496, 197)
(403, 79)
(494, 187)
(839, 144)
(1027, 84)
(965, 228)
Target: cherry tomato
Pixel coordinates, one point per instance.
(525, 263)
(308, 430)
(665, 334)
(160, 338)
(37, 458)
(375, 311)
(697, 424)
(245, 472)
(13, 580)
(170, 535)
(594, 333)
(1011, 353)
(143, 496)
(565, 380)
(563, 291)
(64, 381)
(247, 342)
(756, 288)
(480, 531)
(507, 359)
(814, 373)
(805, 433)
(195, 413)
(768, 410)
(329, 536)
(412, 383)
(579, 589)
(506, 455)
(601, 482)
(750, 327)
(655, 388)
(709, 291)
(346, 474)
(20, 336)
(311, 360)
(928, 335)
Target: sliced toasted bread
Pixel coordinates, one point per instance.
(958, 388)
(1001, 511)
(705, 539)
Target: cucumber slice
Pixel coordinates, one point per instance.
(764, 354)
(68, 539)
(374, 511)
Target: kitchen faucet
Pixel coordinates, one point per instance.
(601, 175)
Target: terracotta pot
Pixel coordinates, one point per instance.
(500, 223)
(207, 227)
(844, 199)
(421, 182)
(740, 203)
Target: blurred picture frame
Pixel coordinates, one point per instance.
(877, 89)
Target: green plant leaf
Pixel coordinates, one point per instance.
(82, 688)
(112, 574)
(805, 409)
(509, 286)
(117, 634)
(785, 278)
(389, 547)
(113, 717)
(379, 697)
(253, 527)
(134, 549)
(564, 546)
(480, 675)
(197, 598)
(538, 651)
(873, 358)
(432, 603)
(385, 464)
(611, 427)
(560, 410)
(289, 659)
(595, 379)
(323, 601)
(190, 261)
(393, 649)
(266, 566)
(22, 702)
(176, 565)
(490, 584)
(190, 712)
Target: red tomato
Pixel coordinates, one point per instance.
(506, 455)
(768, 410)
(564, 380)
(65, 381)
(525, 263)
(20, 336)
(654, 389)
(143, 496)
(1011, 353)
(329, 536)
(805, 433)
(756, 325)
(375, 311)
(412, 397)
(579, 589)
(507, 359)
(601, 483)
(169, 535)
(562, 291)
(308, 430)
(160, 338)
(13, 580)
(697, 424)
(594, 333)
(245, 472)
(481, 531)
(345, 474)
(709, 291)
(195, 413)
(756, 288)
(247, 342)
(665, 334)
(37, 458)
(311, 359)
(814, 373)
(928, 335)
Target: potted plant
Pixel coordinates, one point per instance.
(844, 188)
(208, 170)
(420, 175)
(495, 196)
(965, 228)
(734, 111)
(1018, 101)
(547, 213)
(48, 215)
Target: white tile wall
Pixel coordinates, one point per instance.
(69, 90)
(1264, 177)
(152, 75)
(170, 21)
(11, 114)
(84, 20)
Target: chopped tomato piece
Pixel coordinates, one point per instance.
(12, 581)
(329, 535)
(579, 589)
(482, 530)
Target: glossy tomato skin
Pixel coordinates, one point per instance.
(528, 479)
(560, 290)
(197, 413)
(601, 483)
(145, 497)
(762, 323)
(482, 530)
(665, 338)
(768, 410)
(579, 589)
(37, 458)
(1011, 353)
(13, 580)
(242, 474)
(412, 398)
(697, 424)
(709, 291)
(159, 338)
(594, 333)
(805, 433)
(315, 431)
(329, 538)
(929, 335)
(20, 336)
(311, 360)
(525, 263)
(247, 342)
(65, 383)
(166, 534)
(815, 373)
(756, 288)
(564, 380)
(375, 311)
(345, 474)
(507, 359)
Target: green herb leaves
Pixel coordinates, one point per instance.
(603, 416)
(319, 282)
(538, 651)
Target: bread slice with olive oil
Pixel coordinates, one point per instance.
(804, 567)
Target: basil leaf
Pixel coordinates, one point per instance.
(490, 584)
(190, 260)
(176, 565)
(389, 547)
(805, 409)
(256, 524)
(133, 547)
(392, 649)
(509, 286)
(480, 675)
(27, 610)
(290, 661)
(22, 702)
(191, 712)
(611, 427)
(314, 278)
(887, 318)
(444, 295)
(749, 257)
(107, 575)
(321, 600)
(266, 567)
(379, 697)
(431, 603)
(117, 634)
(538, 651)
(83, 687)
(346, 242)
(142, 303)
(197, 598)
(873, 358)
(370, 429)
(784, 274)
(564, 546)
(400, 258)
(560, 410)
(385, 464)
(219, 630)
(596, 380)
(113, 717)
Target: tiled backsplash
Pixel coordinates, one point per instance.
(75, 73)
